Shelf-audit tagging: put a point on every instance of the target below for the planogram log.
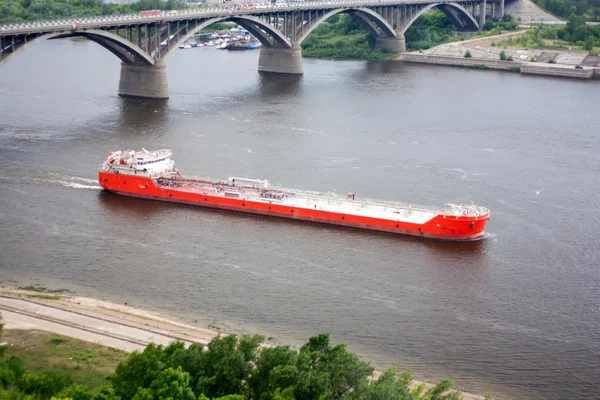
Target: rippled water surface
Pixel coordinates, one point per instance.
(515, 315)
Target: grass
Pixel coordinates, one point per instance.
(87, 363)
(42, 289)
(35, 288)
(44, 296)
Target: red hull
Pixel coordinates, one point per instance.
(458, 228)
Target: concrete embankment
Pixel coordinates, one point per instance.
(461, 62)
(563, 64)
(565, 71)
(531, 68)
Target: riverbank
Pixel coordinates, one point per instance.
(480, 54)
(112, 325)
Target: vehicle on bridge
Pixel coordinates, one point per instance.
(150, 13)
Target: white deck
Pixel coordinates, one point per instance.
(393, 211)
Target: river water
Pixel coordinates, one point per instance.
(516, 314)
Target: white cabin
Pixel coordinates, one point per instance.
(142, 162)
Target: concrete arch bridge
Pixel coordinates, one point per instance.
(143, 43)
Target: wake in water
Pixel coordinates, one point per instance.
(74, 182)
(80, 186)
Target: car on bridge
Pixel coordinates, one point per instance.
(150, 13)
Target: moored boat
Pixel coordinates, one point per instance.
(153, 175)
(237, 45)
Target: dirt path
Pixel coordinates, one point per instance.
(528, 11)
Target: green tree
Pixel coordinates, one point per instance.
(11, 371)
(139, 370)
(589, 10)
(468, 54)
(44, 386)
(275, 370)
(170, 384)
(14, 395)
(503, 55)
(76, 392)
(441, 391)
(326, 371)
(227, 365)
(106, 393)
(190, 359)
(589, 43)
(387, 387)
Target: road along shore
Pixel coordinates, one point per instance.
(113, 325)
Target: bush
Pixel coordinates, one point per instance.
(76, 392)
(11, 371)
(106, 394)
(57, 339)
(468, 54)
(503, 55)
(589, 43)
(509, 58)
(44, 386)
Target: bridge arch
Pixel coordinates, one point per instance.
(460, 17)
(267, 34)
(126, 51)
(371, 20)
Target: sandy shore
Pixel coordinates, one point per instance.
(113, 325)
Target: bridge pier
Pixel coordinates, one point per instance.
(148, 81)
(281, 60)
(482, 12)
(397, 44)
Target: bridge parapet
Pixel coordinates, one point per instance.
(142, 43)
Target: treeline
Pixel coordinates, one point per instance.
(229, 368)
(33, 10)
(589, 10)
(575, 32)
(341, 37)
(429, 30)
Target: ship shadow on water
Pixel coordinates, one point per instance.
(118, 206)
